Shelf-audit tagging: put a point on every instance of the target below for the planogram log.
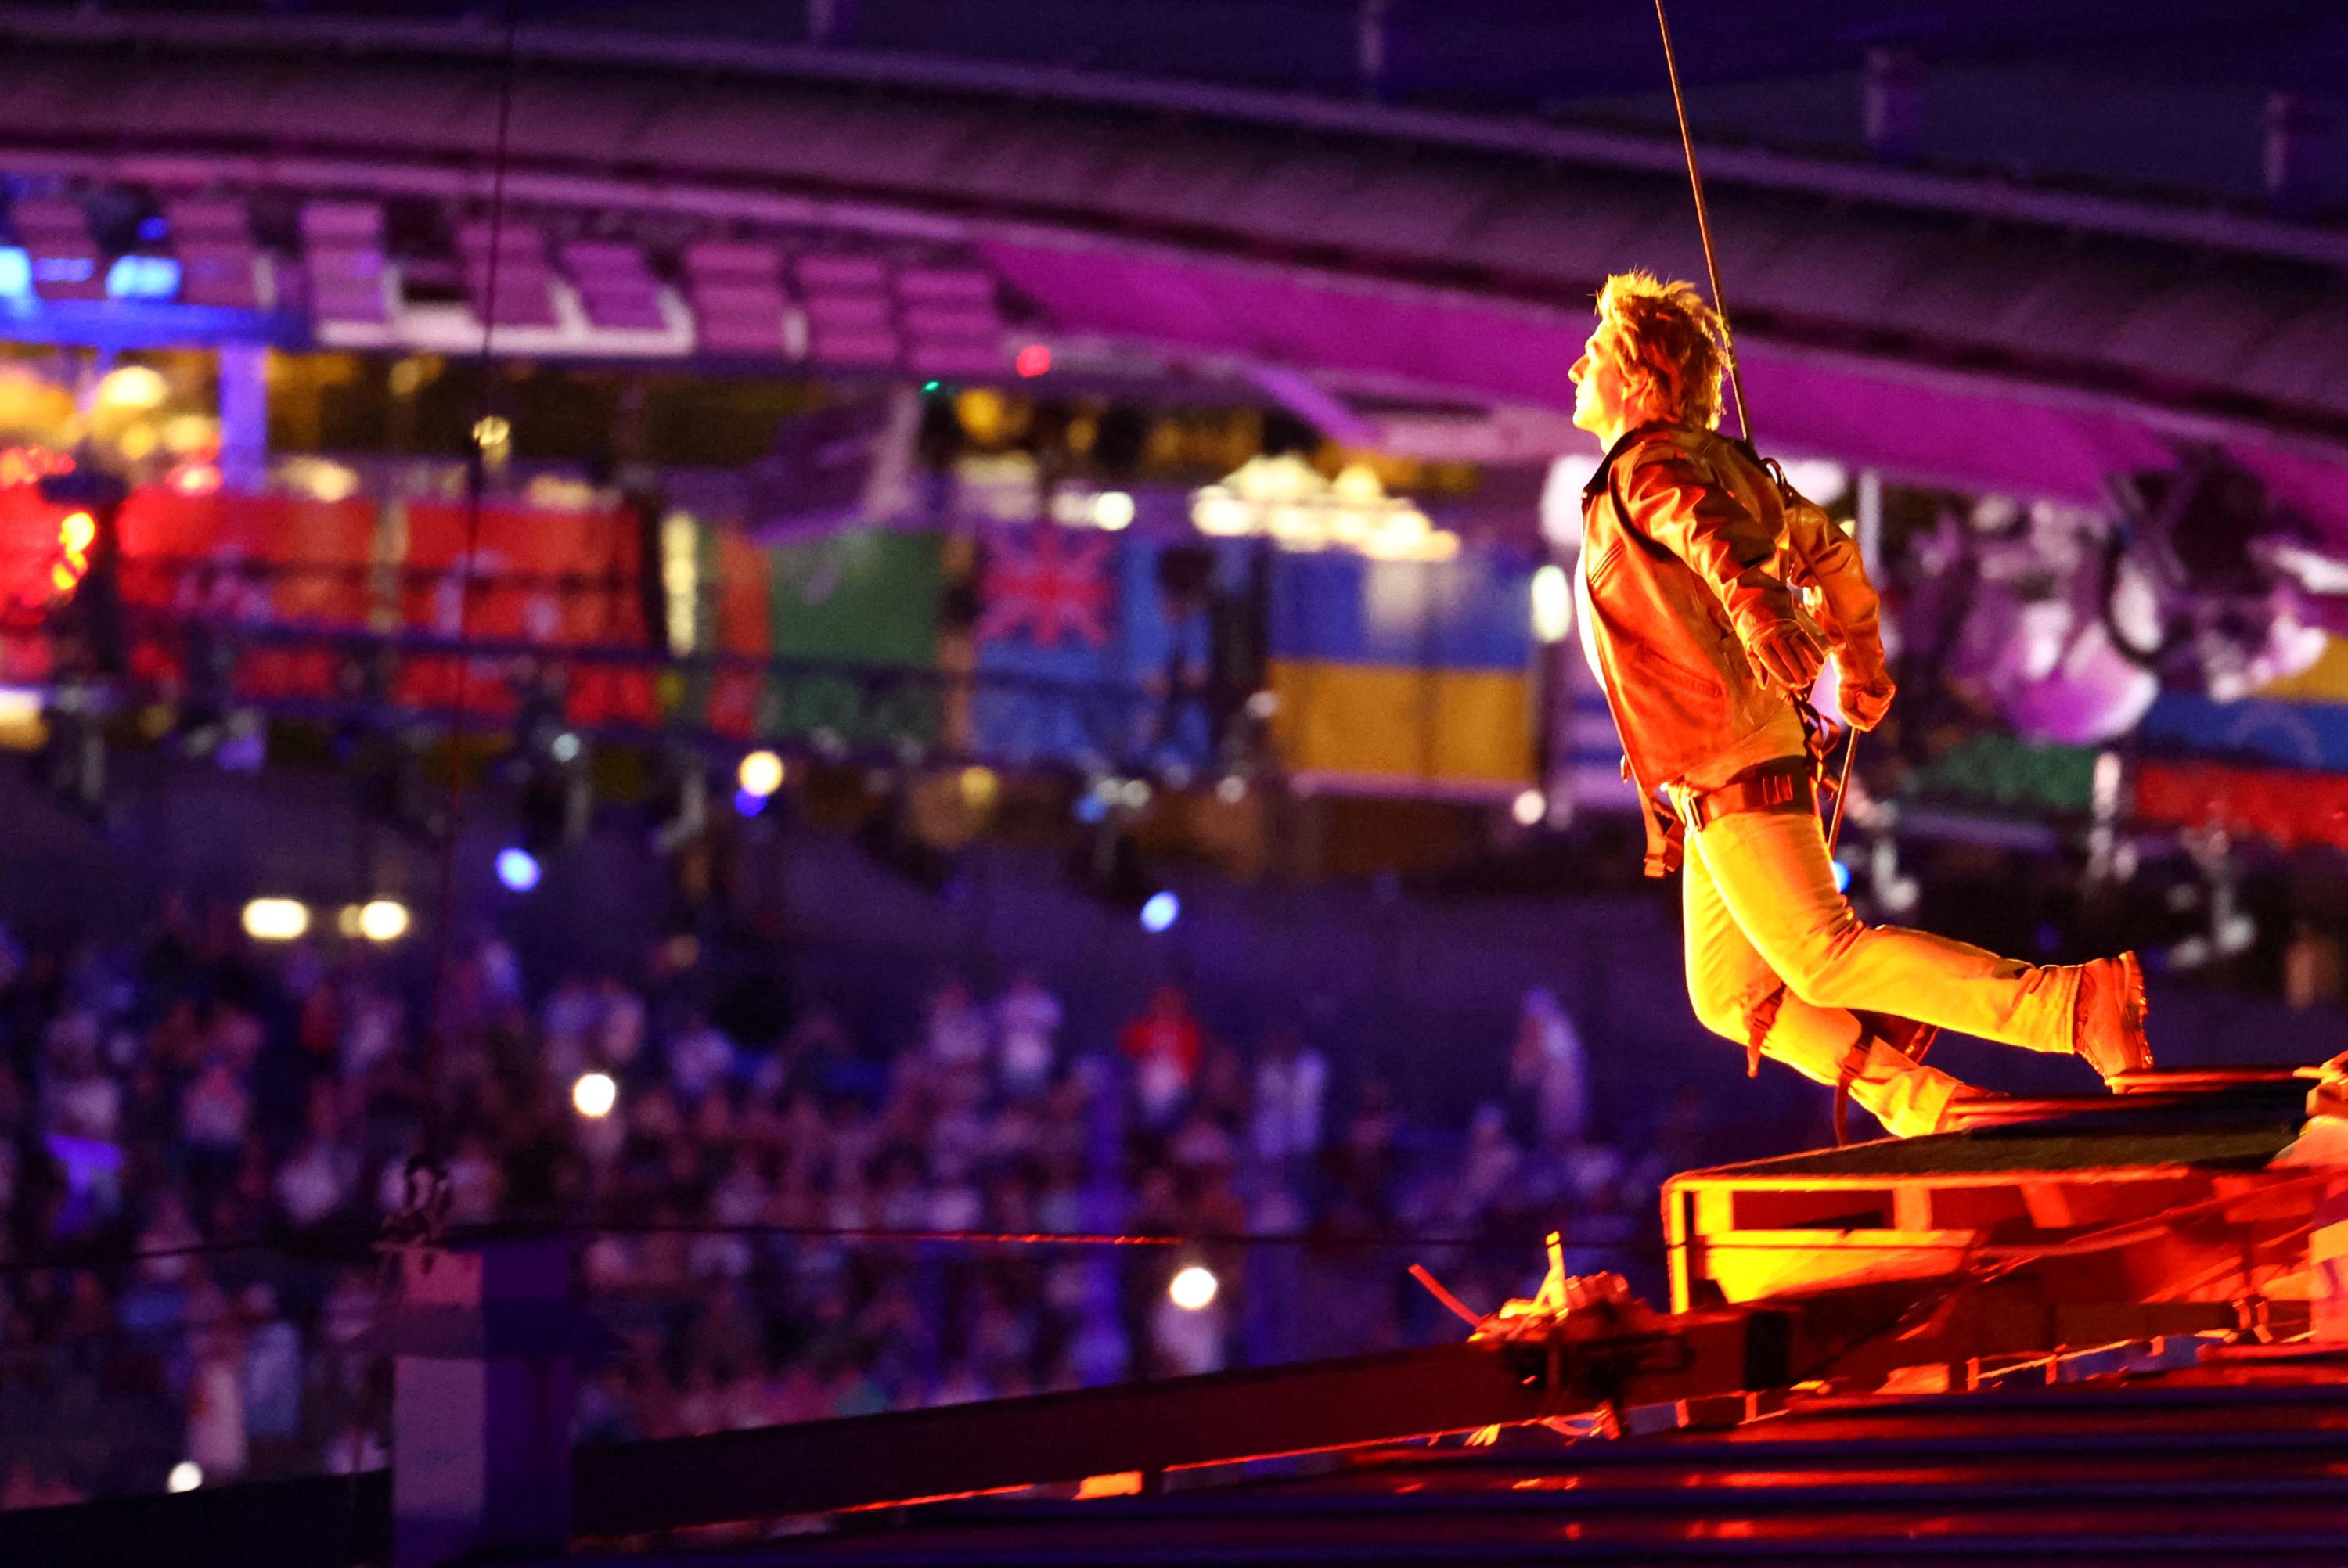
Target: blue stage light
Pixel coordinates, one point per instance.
(142, 277)
(1161, 912)
(749, 802)
(518, 869)
(1842, 877)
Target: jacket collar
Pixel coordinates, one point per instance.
(1628, 439)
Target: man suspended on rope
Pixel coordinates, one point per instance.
(1711, 597)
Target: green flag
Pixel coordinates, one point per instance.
(867, 596)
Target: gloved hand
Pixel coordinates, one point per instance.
(1864, 696)
(1787, 656)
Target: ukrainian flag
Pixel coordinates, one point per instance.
(1405, 676)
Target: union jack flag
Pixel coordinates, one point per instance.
(1052, 587)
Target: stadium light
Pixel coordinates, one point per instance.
(1193, 1289)
(518, 869)
(22, 725)
(1553, 604)
(275, 919)
(383, 920)
(137, 277)
(761, 773)
(132, 386)
(594, 1095)
(1113, 510)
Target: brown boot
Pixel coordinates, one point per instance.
(2108, 1021)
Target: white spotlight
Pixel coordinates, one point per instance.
(1113, 510)
(1192, 1290)
(186, 1476)
(132, 386)
(383, 920)
(1528, 808)
(594, 1094)
(275, 919)
(1553, 604)
(761, 773)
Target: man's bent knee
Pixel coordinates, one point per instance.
(1817, 970)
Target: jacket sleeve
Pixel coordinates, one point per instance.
(1821, 556)
(1673, 502)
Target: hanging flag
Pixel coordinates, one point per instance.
(868, 597)
(243, 560)
(2289, 808)
(1049, 590)
(740, 609)
(2011, 772)
(1050, 689)
(1406, 677)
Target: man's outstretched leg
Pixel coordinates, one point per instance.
(1738, 996)
(1773, 874)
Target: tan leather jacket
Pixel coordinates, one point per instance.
(1689, 552)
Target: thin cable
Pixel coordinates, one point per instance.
(1704, 224)
(474, 480)
(357, 1246)
(1842, 791)
(1728, 338)
(885, 1234)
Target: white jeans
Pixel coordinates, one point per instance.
(1764, 921)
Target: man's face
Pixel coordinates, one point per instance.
(1601, 396)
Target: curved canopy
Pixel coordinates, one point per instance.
(1943, 330)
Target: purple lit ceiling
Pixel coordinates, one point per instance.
(1932, 426)
(1983, 333)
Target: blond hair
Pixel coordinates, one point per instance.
(1674, 347)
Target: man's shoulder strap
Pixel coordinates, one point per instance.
(1649, 438)
(1632, 446)
(1770, 466)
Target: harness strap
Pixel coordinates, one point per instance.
(1758, 1025)
(1854, 1062)
(1782, 785)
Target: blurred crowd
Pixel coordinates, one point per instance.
(200, 1136)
